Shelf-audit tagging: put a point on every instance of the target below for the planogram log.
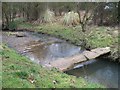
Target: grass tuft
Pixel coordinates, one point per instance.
(49, 16)
(71, 18)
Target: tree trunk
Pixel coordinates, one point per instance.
(119, 13)
(83, 27)
(7, 19)
(101, 10)
(101, 18)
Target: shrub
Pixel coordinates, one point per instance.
(71, 18)
(12, 25)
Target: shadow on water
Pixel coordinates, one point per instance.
(99, 71)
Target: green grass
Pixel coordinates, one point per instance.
(96, 37)
(25, 26)
(100, 38)
(68, 33)
(18, 72)
(0, 71)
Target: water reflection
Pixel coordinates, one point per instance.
(47, 52)
(63, 49)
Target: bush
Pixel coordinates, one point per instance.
(71, 18)
(49, 16)
(12, 25)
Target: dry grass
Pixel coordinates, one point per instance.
(71, 18)
(49, 16)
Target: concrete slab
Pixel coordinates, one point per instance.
(68, 63)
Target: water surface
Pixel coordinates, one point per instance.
(99, 71)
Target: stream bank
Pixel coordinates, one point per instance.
(95, 36)
(19, 72)
(46, 52)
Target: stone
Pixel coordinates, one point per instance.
(19, 34)
(101, 51)
(90, 55)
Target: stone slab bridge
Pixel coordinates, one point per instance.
(68, 63)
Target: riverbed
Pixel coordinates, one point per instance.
(42, 49)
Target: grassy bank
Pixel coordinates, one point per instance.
(19, 72)
(95, 36)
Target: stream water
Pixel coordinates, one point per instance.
(51, 48)
(99, 71)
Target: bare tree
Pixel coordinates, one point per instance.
(85, 11)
